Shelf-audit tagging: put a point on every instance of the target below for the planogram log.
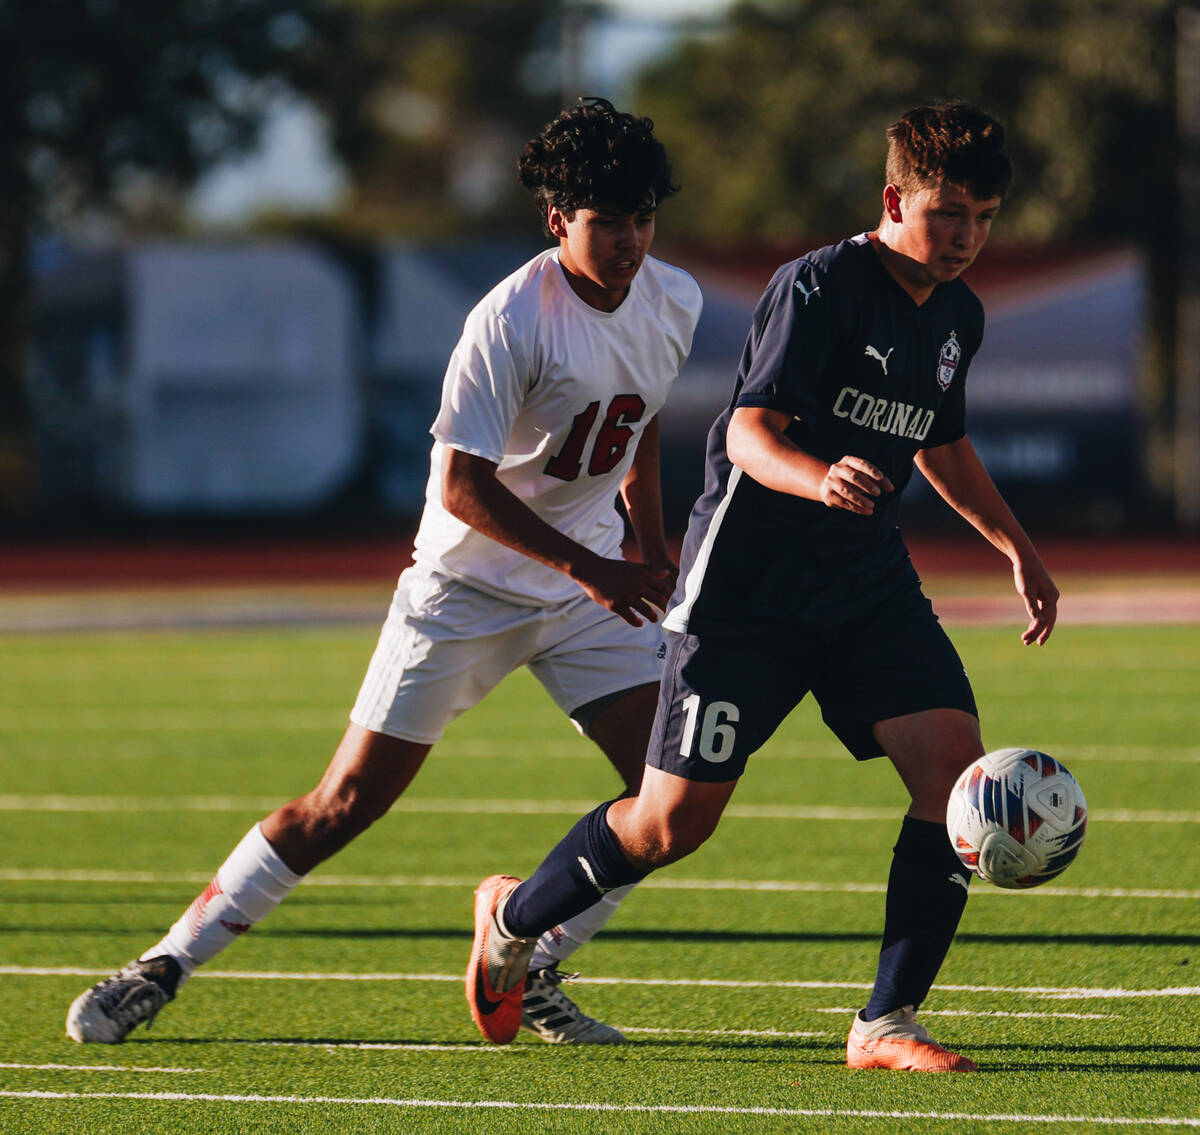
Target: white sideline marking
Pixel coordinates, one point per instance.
(50, 875)
(880, 888)
(384, 1046)
(96, 1068)
(990, 1013)
(1133, 754)
(55, 803)
(132, 804)
(723, 1032)
(644, 1108)
(1144, 816)
(1049, 991)
(1070, 751)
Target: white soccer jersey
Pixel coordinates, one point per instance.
(556, 393)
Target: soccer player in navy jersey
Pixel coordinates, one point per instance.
(795, 578)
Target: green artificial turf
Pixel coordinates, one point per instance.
(131, 763)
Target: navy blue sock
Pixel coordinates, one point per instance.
(586, 864)
(927, 891)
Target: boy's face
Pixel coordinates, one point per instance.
(601, 251)
(939, 229)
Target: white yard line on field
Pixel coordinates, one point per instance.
(803, 887)
(416, 1047)
(840, 1009)
(1070, 751)
(641, 1108)
(768, 1033)
(56, 803)
(1118, 754)
(750, 886)
(382, 1046)
(1052, 992)
(56, 718)
(96, 1068)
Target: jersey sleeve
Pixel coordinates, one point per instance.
(951, 421)
(485, 386)
(790, 343)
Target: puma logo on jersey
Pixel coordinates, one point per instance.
(871, 353)
(954, 878)
(806, 293)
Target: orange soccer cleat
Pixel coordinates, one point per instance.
(498, 965)
(897, 1041)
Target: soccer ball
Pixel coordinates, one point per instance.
(1016, 818)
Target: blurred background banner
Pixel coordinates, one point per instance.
(237, 247)
(171, 378)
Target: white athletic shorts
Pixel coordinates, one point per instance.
(445, 645)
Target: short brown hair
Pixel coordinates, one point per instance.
(951, 142)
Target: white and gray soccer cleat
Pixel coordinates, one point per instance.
(547, 1012)
(109, 1011)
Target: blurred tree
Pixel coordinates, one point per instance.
(454, 91)
(110, 109)
(776, 125)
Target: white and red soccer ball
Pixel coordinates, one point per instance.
(1016, 818)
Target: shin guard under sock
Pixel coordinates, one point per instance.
(927, 891)
(250, 884)
(585, 866)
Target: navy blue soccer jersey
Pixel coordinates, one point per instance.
(863, 370)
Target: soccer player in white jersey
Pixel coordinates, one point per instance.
(548, 412)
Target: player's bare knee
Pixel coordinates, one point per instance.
(654, 853)
(671, 842)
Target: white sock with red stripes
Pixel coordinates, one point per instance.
(250, 884)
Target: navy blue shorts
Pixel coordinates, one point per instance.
(723, 696)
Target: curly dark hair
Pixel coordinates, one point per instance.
(593, 156)
(951, 142)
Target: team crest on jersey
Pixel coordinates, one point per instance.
(948, 361)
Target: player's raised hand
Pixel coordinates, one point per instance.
(626, 588)
(1035, 586)
(854, 485)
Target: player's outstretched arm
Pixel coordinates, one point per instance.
(958, 474)
(757, 444)
(472, 493)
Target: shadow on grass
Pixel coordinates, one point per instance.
(370, 1042)
(1058, 1060)
(810, 1050)
(780, 1046)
